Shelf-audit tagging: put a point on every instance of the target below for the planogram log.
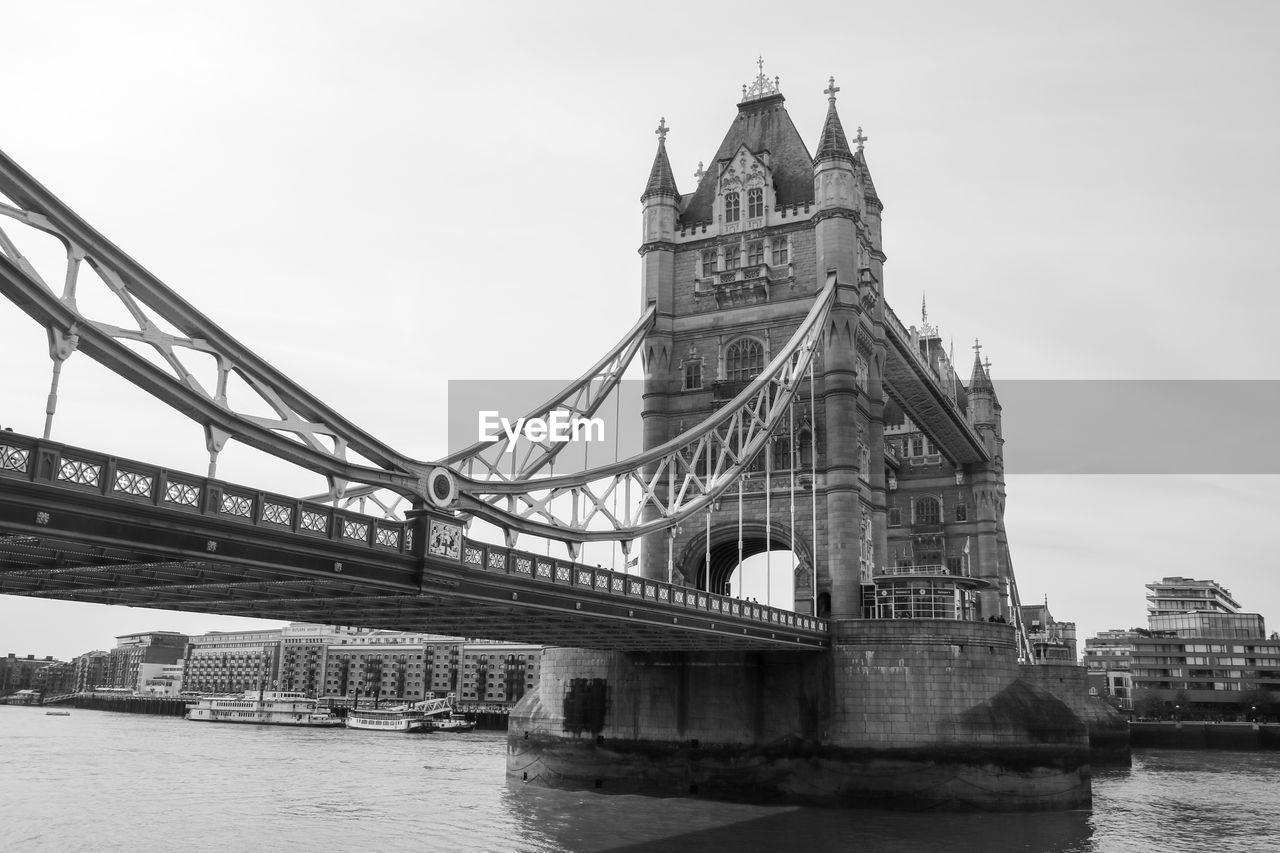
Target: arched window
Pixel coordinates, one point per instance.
(744, 360)
(928, 511)
(755, 254)
(709, 262)
(755, 203)
(732, 207)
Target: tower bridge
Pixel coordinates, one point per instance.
(787, 409)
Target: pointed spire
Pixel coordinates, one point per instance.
(832, 145)
(980, 379)
(662, 181)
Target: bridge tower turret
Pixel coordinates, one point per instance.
(661, 203)
(840, 253)
(991, 561)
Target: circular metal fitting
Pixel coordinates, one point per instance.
(442, 487)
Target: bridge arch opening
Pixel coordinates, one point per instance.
(766, 571)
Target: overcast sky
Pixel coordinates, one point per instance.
(383, 197)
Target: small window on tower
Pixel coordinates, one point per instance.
(709, 262)
(732, 207)
(732, 254)
(962, 512)
(755, 254)
(693, 375)
(779, 251)
(755, 203)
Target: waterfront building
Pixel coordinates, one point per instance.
(56, 679)
(1051, 641)
(158, 679)
(393, 665)
(304, 654)
(122, 667)
(232, 661)
(1108, 656)
(19, 673)
(496, 675)
(89, 670)
(1199, 657)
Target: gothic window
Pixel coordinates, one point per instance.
(732, 207)
(804, 446)
(782, 449)
(779, 251)
(917, 445)
(954, 566)
(962, 512)
(732, 254)
(693, 375)
(895, 516)
(755, 203)
(744, 360)
(928, 511)
(755, 254)
(709, 262)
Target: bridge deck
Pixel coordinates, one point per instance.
(82, 526)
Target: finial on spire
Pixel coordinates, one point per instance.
(831, 90)
(762, 86)
(924, 310)
(977, 349)
(697, 176)
(662, 129)
(860, 139)
(986, 365)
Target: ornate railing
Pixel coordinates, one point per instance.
(128, 481)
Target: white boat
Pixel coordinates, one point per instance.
(399, 719)
(262, 707)
(452, 723)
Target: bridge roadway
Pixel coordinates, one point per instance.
(79, 525)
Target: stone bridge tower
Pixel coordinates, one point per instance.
(923, 697)
(734, 267)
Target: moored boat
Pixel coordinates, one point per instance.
(457, 723)
(266, 707)
(399, 719)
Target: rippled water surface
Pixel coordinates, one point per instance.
(98, 781)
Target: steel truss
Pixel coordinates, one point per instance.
(661, 487)
(656, 489)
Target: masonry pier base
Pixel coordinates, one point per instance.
(903, 713)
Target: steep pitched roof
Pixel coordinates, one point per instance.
(979, 380)
(860, 166)
(662, 181)
(762, 125)
(833, 145)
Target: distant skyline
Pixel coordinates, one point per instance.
(379, 204)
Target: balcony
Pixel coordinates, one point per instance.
(747, 285)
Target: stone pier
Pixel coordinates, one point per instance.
(912, 713)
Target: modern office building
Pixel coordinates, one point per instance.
(1200, 657)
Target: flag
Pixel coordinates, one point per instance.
(634, 561)
(966, 546)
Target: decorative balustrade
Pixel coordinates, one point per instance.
(128, 481)
(497, 559)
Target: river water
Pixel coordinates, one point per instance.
(101, 781)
